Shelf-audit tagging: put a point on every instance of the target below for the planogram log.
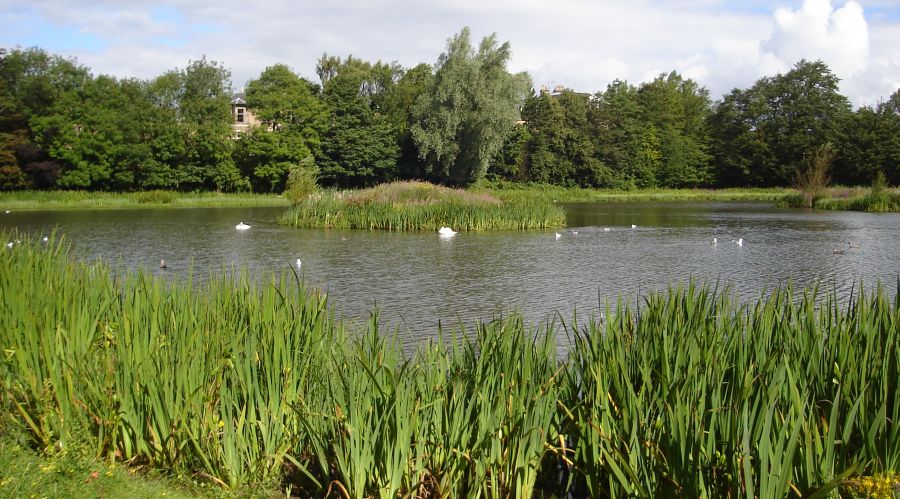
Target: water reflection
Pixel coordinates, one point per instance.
(419, 279)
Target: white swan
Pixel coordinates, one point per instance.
(558, 235)
(446, 231)
(606, 229)
(634, 226)
(242, 226)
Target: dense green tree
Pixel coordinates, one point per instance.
(397, 103)
(870, 143)
(360, 146)
(31, 82)
(560, 147)
(774, 126)
(204, 114)
(464, 116)
(674, 113)
(622, 141)
(294, 121)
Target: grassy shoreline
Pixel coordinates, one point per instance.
(84, 200)
(255, 385)
(553, 193)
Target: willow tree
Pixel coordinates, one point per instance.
(463, 117)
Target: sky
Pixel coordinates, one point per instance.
(580, 44)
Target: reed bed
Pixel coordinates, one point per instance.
(409, 206)
(247, 382)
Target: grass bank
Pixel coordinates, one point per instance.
(26, 473)
(508, 191)
(421, 206)
(80, 200)
(849, 199)
(248, 383)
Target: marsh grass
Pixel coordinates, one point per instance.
(78, 200)
(408, 206)
(850, 199)
(247, 382)
(509, 191)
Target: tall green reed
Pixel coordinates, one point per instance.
(251, 381)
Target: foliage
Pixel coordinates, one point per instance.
(360, 147)
(301, 181)
(367, 123)
(812, 181)
(251, 382)
(464, 116)
(762, 135)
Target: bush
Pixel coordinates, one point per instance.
(301, 181)
(155, 197)
(812, 182)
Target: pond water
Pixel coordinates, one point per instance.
(417, 280)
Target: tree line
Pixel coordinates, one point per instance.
(464, 119)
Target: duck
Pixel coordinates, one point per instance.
(715, 241)
(298, 263)
(446, 231)
(634, 226)
(740, 241)
(162, 264)
(558, 235)
(242, 226)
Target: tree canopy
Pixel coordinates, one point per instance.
(463, 117)
(461, 120)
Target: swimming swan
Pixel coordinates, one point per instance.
(446, 231)
(242, 226)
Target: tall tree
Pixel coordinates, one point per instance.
(31, 82)
(773, 127)
(295, 120)
(675, 110)
(464, 116)
(360, 146)
(870, 143)
(204, 113)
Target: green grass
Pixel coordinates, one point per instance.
(250, 384)
(515, 191)
(25, 473)
(849, 199)
(407, 206)
(79, 200)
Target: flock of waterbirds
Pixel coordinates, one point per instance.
(447, 232)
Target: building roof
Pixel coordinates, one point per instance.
(239, 99)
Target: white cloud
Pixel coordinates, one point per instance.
(840, 37)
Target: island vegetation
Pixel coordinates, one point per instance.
(243, 382)
(462, 121)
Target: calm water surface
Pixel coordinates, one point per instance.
(419, 279)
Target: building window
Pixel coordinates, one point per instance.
(240, 115)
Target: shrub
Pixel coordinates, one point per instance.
(155, 197)
(301, 181)
(812, 182)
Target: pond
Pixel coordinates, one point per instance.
(418, 280)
